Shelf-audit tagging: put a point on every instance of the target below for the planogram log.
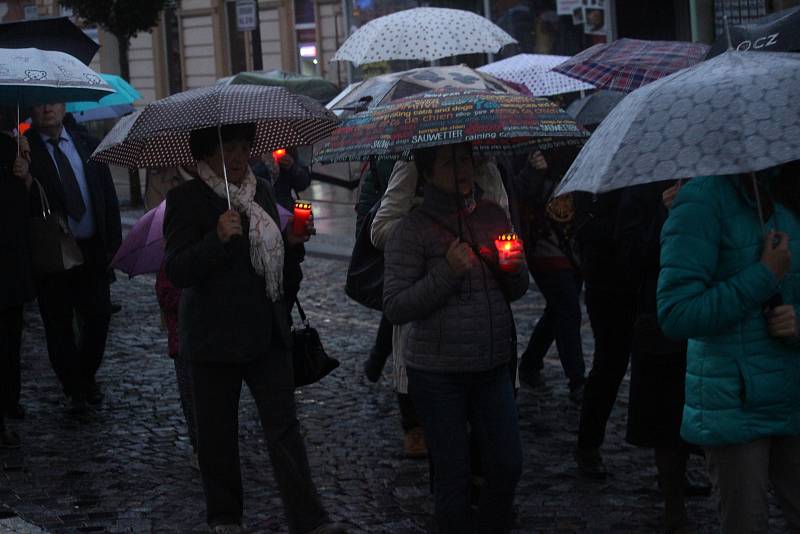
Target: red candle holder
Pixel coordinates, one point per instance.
(505, 245)
(302, 212)
(277, 155)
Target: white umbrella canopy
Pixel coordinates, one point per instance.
(735, 113)
(31, 76)
(423, 33)
(533, 71)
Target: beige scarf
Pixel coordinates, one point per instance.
(266, 241)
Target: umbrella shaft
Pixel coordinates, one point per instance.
(224, 166)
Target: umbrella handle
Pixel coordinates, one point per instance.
(224, 166)
(758, 205)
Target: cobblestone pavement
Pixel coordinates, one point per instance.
(125, 466)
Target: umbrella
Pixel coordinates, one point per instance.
(388, 87)
(534, 72)
(627, 64)
(424, 33)
(735, 113)
(52, 33)
(30, 76)
(486, 119)
(779, 32)
(158, 135)
(103, 113)
(314, 87)
(592, 109)
(142, 250)
(124, 94)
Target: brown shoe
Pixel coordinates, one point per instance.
(414, 443)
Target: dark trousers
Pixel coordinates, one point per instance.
(560, 322)
(449, 403)
(612, 314)
(408, 414)
(78, 297)
(183, 376)
(10, 370)
(217, 388)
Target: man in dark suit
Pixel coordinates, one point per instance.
(82, 192)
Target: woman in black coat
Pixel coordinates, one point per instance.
(16, 284)
(235, 266)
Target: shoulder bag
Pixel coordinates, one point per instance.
(365, 273)
(53, 247)
(311, 362)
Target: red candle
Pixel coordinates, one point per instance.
(277, 155)
(506, 244)
(302, 211)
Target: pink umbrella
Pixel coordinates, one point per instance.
(142, 250)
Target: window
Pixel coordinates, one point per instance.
(236, 41)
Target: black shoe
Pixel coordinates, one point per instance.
(77, 405)
(115, 308)
(590, 464)
(534, 379)
(9, 440)
(696, 490)
(95, 395)
(329, 528)
(15, 411)
(373, 367)
(576, 393)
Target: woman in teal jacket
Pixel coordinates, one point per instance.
(743, 370)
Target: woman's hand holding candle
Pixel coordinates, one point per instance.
(510, 253)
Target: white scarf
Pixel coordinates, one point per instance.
(266, 241)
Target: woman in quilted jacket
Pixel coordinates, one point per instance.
(444, 279)
(734, 294)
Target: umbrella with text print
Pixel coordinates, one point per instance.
(158, 135)
(424, 33)
(490, 121)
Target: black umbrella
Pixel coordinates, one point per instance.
(52, 33)
(592, 109)
(779, 32)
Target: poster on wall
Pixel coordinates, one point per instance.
(595, 21)
(567, 7)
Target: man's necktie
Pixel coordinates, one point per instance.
(72, 192)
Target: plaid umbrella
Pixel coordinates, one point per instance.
(491, 121)
(627, 64)
(735, 113)
(534, 72)
(425, 33)
(158, 135)
(389, 87)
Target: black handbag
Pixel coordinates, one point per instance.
(365, 273)
(53, 248)
(311, 362)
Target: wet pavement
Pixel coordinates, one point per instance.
(124, 467)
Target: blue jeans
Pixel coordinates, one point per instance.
(446, 404)
(560, 322)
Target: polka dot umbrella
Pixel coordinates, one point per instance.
(158, 135)
(424, 33)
